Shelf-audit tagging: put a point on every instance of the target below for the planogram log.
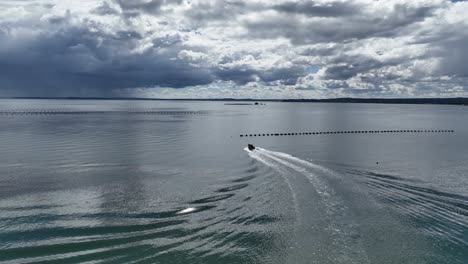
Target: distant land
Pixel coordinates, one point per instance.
(440, 101)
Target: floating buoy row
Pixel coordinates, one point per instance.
(172, 113)
(33, 113)
(348, 132)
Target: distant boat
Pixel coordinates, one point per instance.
(251, 147)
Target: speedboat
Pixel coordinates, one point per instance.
(250, 147)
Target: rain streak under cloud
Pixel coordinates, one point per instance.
(240, 49)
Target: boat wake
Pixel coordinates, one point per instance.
(436, 214)
(330, 212)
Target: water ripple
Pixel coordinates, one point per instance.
(435, 213)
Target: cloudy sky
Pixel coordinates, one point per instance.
(234, 48)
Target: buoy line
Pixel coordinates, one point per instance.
(348, 132)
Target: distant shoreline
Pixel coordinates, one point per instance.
(436, 101)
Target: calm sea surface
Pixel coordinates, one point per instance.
(171, 182)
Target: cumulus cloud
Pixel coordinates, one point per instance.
(234, 48)
(318, 9)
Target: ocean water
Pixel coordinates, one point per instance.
(89, 181)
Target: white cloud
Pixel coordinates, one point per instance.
(255, 49)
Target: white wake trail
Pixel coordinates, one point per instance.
(339, 224)
(259, 157)
(294, 163)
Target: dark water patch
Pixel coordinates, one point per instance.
(244, 179)
(240, 218)
(43, 217)
(235, 209)
(66, 248)
(143, 255)
(32, 219)
(186, 256)
(144, 215)
(247, 239)
(214, 198)
(262, 220)
(110, 255)
(211, 237)
(238, 247)
(232, 188)
(28, 208)
(56, 249)
(250, 220)
(84, 231)
(115, 254)
(218, 247)
(250, 170)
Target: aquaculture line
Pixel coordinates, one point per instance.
(347, 132)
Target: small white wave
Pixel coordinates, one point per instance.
(187, 210)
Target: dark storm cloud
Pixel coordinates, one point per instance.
(324, 51)
(218, 10)
(345, 67)
(342, 26)
(359, 46)
(240, 75)
(311, 8)
(455, 57)
(152, 6)
(144, 6)
(450, 44)
(230, 68)
(133, 8)
(73, 57)
(105, 9)
(283, 76)
(244, 75)
(64, 57)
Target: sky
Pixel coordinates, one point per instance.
(234, 49)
